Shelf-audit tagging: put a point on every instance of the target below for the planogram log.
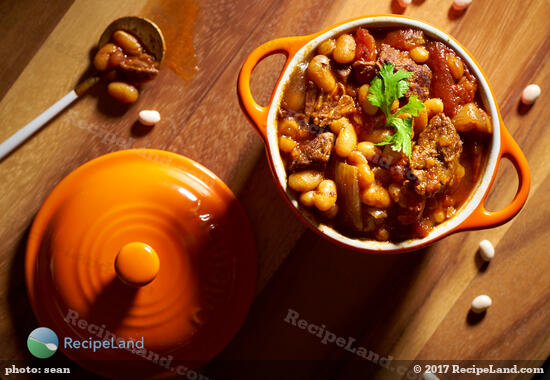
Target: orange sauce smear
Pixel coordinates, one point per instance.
(176, 19)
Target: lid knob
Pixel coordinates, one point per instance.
(137, 264)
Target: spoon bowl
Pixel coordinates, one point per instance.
(148, 33)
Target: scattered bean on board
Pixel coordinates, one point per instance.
(461, 4)
(486, 250)
(149, 117)
(530, 94)
(481, 303)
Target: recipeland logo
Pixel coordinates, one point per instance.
(42, 342)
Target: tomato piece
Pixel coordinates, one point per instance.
(365, 45)
(443, 83)
(405, 39)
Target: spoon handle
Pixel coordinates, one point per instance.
(28, 130)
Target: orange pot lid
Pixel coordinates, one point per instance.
(141, 245)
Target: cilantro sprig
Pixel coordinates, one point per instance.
(383, 91)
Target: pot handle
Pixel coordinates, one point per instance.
(256, 113)
(481, 218)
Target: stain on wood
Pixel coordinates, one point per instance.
(176, 19)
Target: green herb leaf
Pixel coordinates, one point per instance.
(383, 91)
(376, 97)
(403, 135)
(402, 87)
(413, 107)
(401, 140)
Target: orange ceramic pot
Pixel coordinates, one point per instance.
(141, 245)
(472, 215)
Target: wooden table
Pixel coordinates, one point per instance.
(411, 306)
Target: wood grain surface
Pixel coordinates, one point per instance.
(408, 307)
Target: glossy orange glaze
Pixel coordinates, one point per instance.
(189, 306)
(256, 113)
(137, 264)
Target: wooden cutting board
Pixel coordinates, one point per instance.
(411, 306)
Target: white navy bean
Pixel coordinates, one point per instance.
(486, 250)
(149, 117)
(530, 94)
(481, 303)
(461, 4)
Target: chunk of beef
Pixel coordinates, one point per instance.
(313, 154)
(364, 71)
(435, 157)
(419, 82)
(344, 107)
(140, 68)
(327, 107)
(311, 97)
(342, 72)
